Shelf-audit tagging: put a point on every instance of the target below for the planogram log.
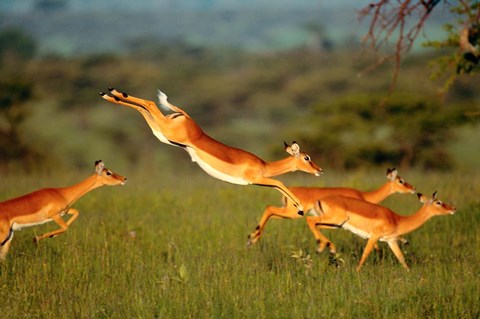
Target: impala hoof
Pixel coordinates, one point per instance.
(111, 89)
(250, 242)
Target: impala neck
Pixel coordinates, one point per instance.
(406, 224)
(378, 195)
(74, 192)
(279, 167)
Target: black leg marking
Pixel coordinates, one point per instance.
(178, 144)
(9, 236)
(258, 227)
(333, 225)
(173, 116)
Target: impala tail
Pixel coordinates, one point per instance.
(167, 106)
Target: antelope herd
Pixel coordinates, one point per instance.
(327, 207)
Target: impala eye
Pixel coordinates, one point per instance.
(307, 158)
(109, 173)
(401, 181)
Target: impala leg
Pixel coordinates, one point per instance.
(150, 106)
(368, 249)
(313, 222)
(60, 222)
(74, 213)
(146, 113)
(4, 249)
(288, 212)
(265, 181)
(398, 253)
(6, 235)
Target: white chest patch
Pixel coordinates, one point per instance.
(214, 172)
(17, 226)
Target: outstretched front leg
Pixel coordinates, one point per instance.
(60, 222)
(372, 241)
(288, 212)
(398, 252)
(269, 182)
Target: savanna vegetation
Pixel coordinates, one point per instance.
(172, 242)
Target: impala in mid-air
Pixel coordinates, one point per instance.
(309, 195)
(221, 161)
(49, 204)
(375, 222)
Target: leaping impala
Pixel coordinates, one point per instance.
(221, 161)
(375, 222)
(308, 196)
(49, 204)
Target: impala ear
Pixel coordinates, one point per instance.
(434, 195)
(392, 173)
(99, 166)
(293, 149)
(422, 198)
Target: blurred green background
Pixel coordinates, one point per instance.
(252, 74)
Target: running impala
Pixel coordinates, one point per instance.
(223, 162)
(49, 204)
(309, 195)
(375, 222)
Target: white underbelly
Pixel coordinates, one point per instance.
(17, 226)
(205, 166)
(161, 137)
(214, 172)
(356, 231)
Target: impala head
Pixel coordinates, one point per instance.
(303, 162)
(106, 176)
(398, 184)
(436, 206)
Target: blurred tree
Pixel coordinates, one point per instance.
(405, 20)
(16, 44)
(407, 131)
(50, 5)
(13, 98)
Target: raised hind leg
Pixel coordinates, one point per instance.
(313, 223)
(176, 128)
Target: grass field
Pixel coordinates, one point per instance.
(173, 245)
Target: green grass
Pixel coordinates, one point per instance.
(173, 245)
